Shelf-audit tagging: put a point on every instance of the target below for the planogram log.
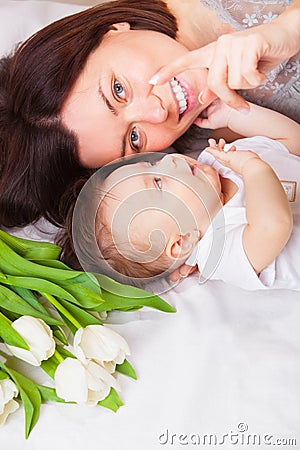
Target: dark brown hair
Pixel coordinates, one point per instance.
(38, 155)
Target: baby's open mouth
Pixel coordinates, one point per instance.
(180, 95)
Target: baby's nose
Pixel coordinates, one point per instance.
(166, 161)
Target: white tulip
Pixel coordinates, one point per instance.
(100, 344)
(38, 335)
(83, 383)
(8, 405)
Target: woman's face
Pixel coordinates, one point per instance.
(113, 109)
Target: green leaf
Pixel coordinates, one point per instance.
(123, 290)
(89, 281)
(64, 352)
(49, 366)
(73, 292)
(12, 302)
(9, 335)
(83, 317)
(11, 263)
(49, 395)
(112, 401)
(86, 298)
(54, 263)
(84, 278)
(127, 369)
(113, 301)
(122, 296)
(130, 308)
(30, 249)
(40, 285)
(60, 335)
(30, 397)
(3, 375)
(30, 298)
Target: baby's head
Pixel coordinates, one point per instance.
(153, 214)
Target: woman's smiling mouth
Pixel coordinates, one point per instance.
(180, 95)
(184, 96)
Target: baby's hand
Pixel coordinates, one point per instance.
(232, 159)
(215, 116)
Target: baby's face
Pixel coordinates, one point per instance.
(173, 196)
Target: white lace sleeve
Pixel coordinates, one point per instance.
(282, 89)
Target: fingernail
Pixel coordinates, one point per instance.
(173, 281)
(154, 79)
(200, 100)
(183, 275)
(244, 111)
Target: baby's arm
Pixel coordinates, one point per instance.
(259, 121)
(267, 208)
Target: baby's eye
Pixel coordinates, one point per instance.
(119, 90)
(135, 140)
(158, 183)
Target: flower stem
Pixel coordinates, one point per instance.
(62, 309)
(58, 356)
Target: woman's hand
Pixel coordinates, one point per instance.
(238, 60)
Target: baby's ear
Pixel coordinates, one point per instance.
(181, 246)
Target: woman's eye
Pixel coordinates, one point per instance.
(119, 90)
(135, 139)
(158, 183)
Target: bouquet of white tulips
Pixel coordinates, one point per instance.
(47, 318)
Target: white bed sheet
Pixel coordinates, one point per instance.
(227, 357)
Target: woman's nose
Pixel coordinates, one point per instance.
(149, 109)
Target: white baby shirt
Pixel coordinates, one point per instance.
(220, 254)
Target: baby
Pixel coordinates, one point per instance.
(230, 213)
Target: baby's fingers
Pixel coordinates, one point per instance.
(220, 155)
(182, 272)
(221, 144)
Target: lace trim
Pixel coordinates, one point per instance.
(282, 89)
(255, 12)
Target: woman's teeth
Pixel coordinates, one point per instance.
(180, 94)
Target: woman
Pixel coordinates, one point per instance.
(67, 104)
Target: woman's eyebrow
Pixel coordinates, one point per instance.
(115, 113)
(107, 102)
(124, 140)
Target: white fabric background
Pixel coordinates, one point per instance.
(227, 356)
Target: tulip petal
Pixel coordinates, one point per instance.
(101, 344)
(8, 390)
(99, 372)
(25, 355)
(38, 335)
(71, 381)
(9, 408)
(96, 396)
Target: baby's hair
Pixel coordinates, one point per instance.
(129, 265)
